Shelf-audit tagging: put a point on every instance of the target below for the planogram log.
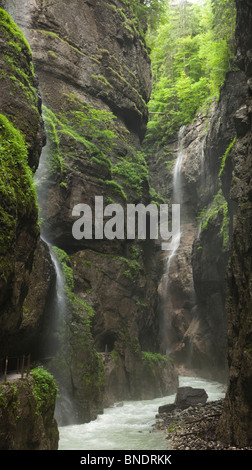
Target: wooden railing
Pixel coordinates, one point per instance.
(23, 366)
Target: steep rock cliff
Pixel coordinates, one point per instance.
(94, 75)
(22, 138)
(213, 334)
(192, 299)
(236, 420)
(27, 413)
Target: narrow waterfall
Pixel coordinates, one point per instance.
(202, 180)
(202, 161)
(59, 302)
(59, 306)
(177, 198)
(177, 195)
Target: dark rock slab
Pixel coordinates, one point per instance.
(189, 396)
(166, 408)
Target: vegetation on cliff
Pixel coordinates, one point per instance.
(20, 144)
(18, 196)
(17, 191)
(27, 413)
(190, 56)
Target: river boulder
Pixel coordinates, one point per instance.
(189, 396)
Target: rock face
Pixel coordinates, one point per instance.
(95, 81)
(185, 398)
(189, 396)
(216, 187)
(235, 424)
(25, 422)
(192, 296)
(22, 138)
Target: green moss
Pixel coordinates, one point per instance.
(116, 188)
(18, 197)
(133, 171)
(207, 215)
(219, 205)
(155, 360)
(53, 35)
(55, 159)
(79, 306)
(132, 268)
(225, 156)
(224, 232)
(156, 198)
(18, 59)
(12, 31)
(82, 124)
(52, 54)
(44, 387)
(115, 356)
(9, 398)
(76, 348)
(102, 79)
(170, 165)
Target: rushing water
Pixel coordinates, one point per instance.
(177, 196)
(129, 427)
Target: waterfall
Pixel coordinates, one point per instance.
(64, 411)
(202, 180)
(177, 197)
(60, 301)
(177, 194)
(202, 163)
(202, 159)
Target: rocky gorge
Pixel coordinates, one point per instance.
(131, 318)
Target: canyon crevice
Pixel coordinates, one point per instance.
(130, 317)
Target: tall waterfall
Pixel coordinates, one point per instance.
(59, 302)
(59, 306)
(177, 198)
(177, 194)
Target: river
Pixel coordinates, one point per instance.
(129, 427)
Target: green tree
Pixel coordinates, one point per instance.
(191, 53)
(148, 12)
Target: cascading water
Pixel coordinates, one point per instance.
(202, 160)
(177, 193)
(64, 411)
(202, 177)
(129, 427)
(177, 198)
(40, 181)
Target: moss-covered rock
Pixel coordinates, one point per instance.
(94, 75)
(27, 413)
(21, 140)
(77, 367)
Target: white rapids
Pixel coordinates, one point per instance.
(129, 427)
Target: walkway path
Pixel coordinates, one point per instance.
(11, 377)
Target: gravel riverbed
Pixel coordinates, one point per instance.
(193, 428)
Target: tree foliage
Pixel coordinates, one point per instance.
(148, 12)
(191, 51)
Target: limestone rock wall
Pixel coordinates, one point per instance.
(26, 419)
(22, 138)
(95, 81)
(236, 420)
(192, 301)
